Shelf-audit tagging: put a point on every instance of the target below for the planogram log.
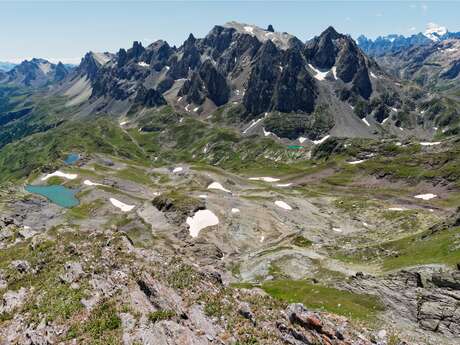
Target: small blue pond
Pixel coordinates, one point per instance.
(57, 194)
(72, 158)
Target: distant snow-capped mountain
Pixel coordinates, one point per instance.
(435, 32)
(389, 44)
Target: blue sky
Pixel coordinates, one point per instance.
(65, 30)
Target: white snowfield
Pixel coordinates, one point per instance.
(143, 64)
(283, 205)
(249, 29)
(89, 183)
(253, 123)
(265, 179)
(301, 139)
(217, 185)
(366, 122)
(320, 75)
(334, 72)
(266, 133)
(60, 174)
(122, 123)
(200, 220)
(396, 209)
(122, 206)
(177, 169)
(284, 184)
(426, 143)
(428, 196)
(357, 162)
(203, 196)
(322, 140)
(235, 210)
(337, 229)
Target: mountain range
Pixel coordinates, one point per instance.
(243, 188)
(268, 81)
(430, 59)
(393, 43)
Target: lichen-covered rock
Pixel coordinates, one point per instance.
(73, 272)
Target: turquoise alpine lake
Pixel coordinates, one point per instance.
(57, 194)
(72, 158)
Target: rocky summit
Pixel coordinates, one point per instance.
(245, 187)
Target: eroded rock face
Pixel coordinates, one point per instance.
(73, 272)
(261, 84)
(149, 97)
(428, 296)
(308, 327)
(171, 333)
(176, 206)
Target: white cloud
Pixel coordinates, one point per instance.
(412, 29)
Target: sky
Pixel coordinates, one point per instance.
(65, 30)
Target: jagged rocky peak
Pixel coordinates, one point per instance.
(322, 50)
(340, 53)
(280, 39)
(270, 28)
(92, 62)
(36, 73)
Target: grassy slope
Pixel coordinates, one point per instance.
(355, 306)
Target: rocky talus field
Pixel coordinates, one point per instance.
(244, 188)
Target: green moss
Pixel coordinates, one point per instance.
(102, 327)
(182, 277)
(58, 301)
(55, 180)
(162, 314)
(301, 241)
(84, 211)
(176, 201)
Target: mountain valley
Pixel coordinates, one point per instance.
(243, 188)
